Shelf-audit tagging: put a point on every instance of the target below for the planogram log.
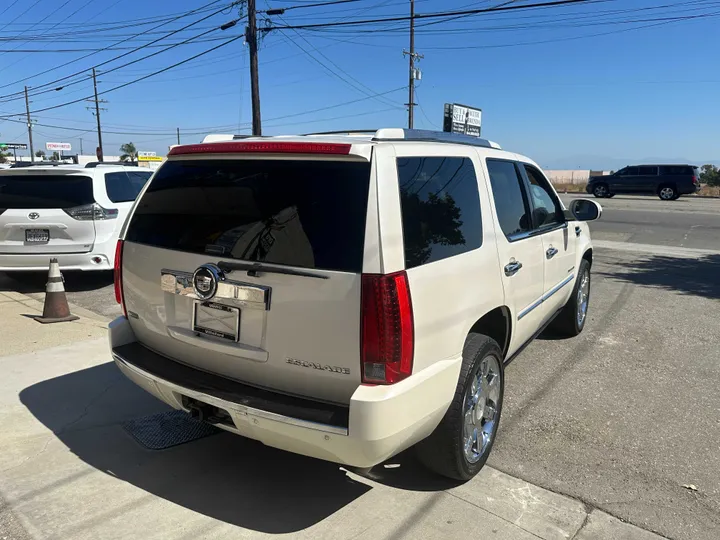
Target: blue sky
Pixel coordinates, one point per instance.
(572, 86)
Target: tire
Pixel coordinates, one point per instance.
(443, 452)
(601, 191)
(668, 193)
(569, 322)
(610, 196)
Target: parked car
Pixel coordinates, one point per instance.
(65, 211)
(347, 296)
(668, 182)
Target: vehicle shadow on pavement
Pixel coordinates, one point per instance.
(692, 276)
(223, 476)
(36, 282)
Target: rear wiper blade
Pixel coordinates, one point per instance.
(253, 269)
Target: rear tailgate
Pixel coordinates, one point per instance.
(34, 216)
(293, 327)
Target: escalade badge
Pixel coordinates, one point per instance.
(205, 281)
(314, 365)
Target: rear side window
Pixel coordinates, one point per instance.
(440, 207)
(292, 212)
(45, 191)
(125, 186)
(677, 170)
(510, 203)
(648, 171)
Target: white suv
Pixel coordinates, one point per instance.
(66, 211)
(347, 296)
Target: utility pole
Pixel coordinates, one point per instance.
(178, 134)
(251, 38)
(29, 124)
(414, 73)
(97, 117)
(81, 148)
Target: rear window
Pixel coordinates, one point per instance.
(45, 191)
(291, 212)
(440, 208)
(125, 186)
(677, 170)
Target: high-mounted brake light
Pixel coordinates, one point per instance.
(264, 147)
(387, 328)
(119, 294)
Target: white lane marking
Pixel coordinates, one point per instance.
(653, 249)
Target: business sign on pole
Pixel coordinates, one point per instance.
(58, 146)
(146, 154)
(13, 146)
(149, 158)
(462, 119)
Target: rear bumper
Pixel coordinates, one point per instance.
(10, 262)
(379, 422)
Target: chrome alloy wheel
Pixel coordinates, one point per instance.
(480, 407)
(600, 191)
(667, 193)
(583, 297)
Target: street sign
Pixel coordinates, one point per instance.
(13, 146)
(55, 146)
(462, 119)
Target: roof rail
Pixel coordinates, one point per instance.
(423, 135)
(22, 164)
(94, 164)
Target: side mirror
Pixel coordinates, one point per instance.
(585, 210)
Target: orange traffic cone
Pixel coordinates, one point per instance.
(56, 307)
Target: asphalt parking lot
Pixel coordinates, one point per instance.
(625, 417)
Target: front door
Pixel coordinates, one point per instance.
(624, 181)
(521, 254)
(558, 246)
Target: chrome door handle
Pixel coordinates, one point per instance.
(551, 252)
(578, 230)
(511, 268)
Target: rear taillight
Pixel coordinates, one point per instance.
(387, 328)
(695, 180)
(91, 212)
(119, 297)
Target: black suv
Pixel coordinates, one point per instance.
(666, 181)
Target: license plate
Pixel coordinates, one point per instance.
(217, 320)
(37, 236)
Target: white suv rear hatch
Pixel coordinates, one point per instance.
(294, 325)
(46, 211)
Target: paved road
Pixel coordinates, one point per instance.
(628, 413)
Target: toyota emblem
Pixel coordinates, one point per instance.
(205, 281)
(33, 215)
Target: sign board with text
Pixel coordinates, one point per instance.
(146, 154)
(58, 146)
(150, 158)
(13, 146)
(462, 119)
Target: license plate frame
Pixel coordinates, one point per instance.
(37, 236)
(216, 320)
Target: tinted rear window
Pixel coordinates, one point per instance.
(440, 208)
(45, 191)
(677, 170)
(125, 186)
(299, 213)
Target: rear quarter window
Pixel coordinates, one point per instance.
(440, 207)
(45, 191)
(302, 213)
(124, 186)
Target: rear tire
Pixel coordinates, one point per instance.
(461, 443)
(571, 320)
(668, 193)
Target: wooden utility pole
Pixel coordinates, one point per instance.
(414, 73)
(251, 38)
(29, 124)
(178, 134)
(97, 117)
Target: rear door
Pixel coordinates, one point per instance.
(521, 253)
(46, 211)
(294, 325)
